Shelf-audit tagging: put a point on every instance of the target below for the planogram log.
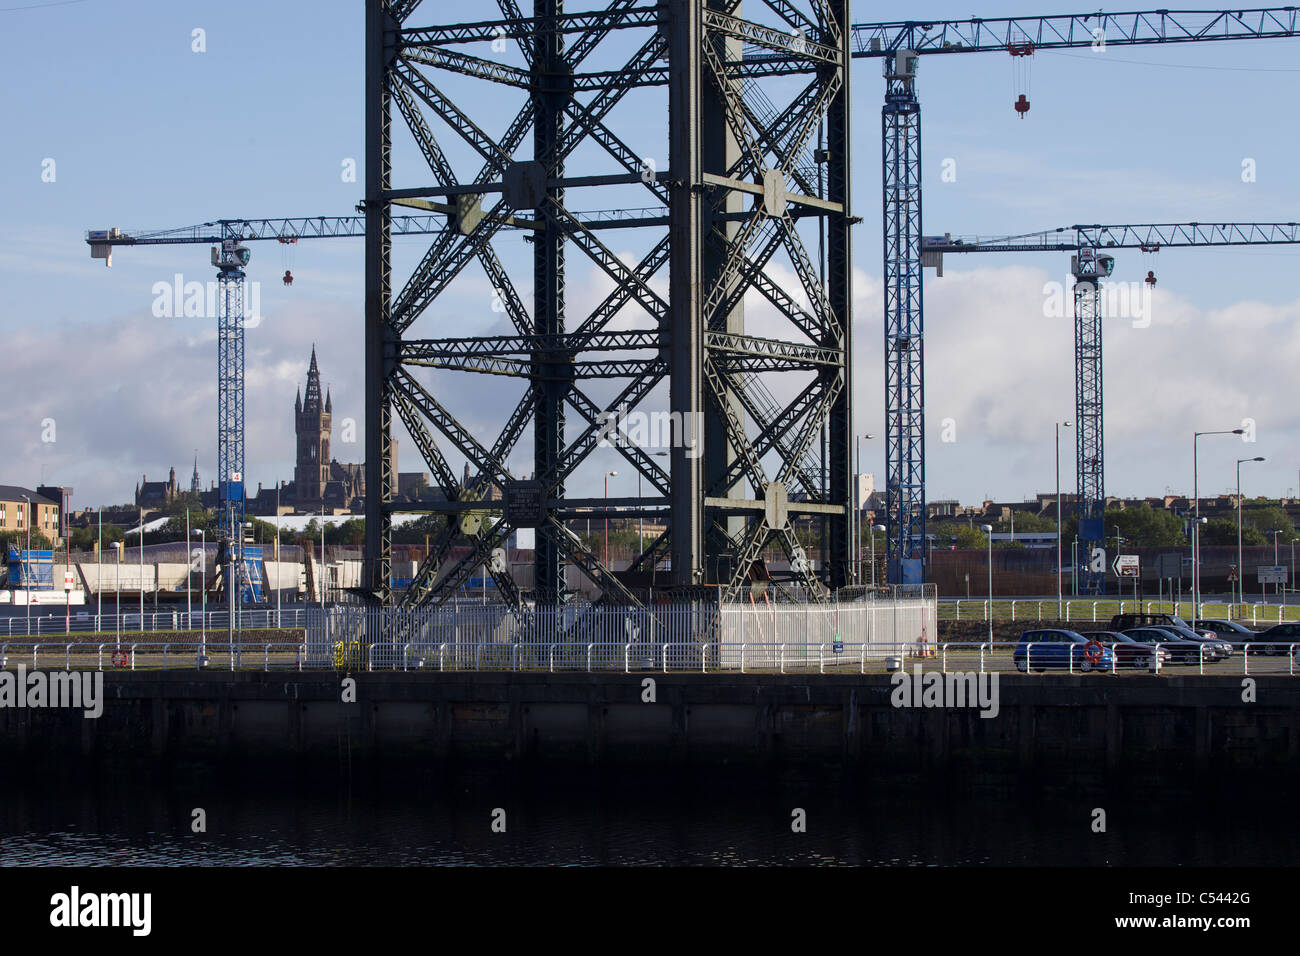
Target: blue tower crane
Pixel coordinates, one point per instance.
(899, 45)
(230, 257)
(1090, 262)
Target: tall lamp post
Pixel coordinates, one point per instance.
(142, 570)
(1196, 521)
(608, 475)
(988, 530)
(117, 603)
(99, 573)
(1241, 571)
(1059, 426)
(27, 563)
(1279, 587)
(189, 579)
(1293, 541)
(203, 593)
(277, 552)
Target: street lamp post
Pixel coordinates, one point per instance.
(27, 563)
(277, 552)
(1241, 571)
(117, 603)
(1196, 521)
(1293, 540)
(99, 573)
(142, 570)
(988, 530)
(1059, 425)
(1279, 587)
(608, 475)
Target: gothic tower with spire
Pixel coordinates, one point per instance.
(312, 418)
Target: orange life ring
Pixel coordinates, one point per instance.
(1093, 651)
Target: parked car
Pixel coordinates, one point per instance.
(1238, 635)
(1128, 652)
(1041, 649)
(1279, 637)
(1217, 647)
(1126, 622)
(1230, 631)
(1180, 651)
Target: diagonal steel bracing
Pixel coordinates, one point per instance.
(740, 188)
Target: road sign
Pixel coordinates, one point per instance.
(1232, 574)
(1271, 573)
(1126, 565)
(69, 583)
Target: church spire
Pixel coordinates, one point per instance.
(329, 404)
(312, 403)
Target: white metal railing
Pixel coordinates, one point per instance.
(1094, 610)
(53, 620)
(139, 655)
(785, 657)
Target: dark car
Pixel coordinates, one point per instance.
(1279, 637)
(1238, 635)
(1180, 651)
(1128, 652)
(1230, 631)
(1216, 648)
(1055, 647)
(1126, 622)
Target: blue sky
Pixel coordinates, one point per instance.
(144, 132)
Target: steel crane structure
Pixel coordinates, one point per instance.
(1089, 247)
(747, 188)
(899, 45)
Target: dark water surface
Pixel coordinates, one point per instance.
(581, 818)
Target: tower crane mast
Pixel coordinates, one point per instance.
(1089, 247)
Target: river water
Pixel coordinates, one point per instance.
(581, 818)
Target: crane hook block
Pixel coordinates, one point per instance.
(288, 277)
(1022, 106)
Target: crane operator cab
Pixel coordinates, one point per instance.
(233, 254)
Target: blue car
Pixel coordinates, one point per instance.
(1052, 647)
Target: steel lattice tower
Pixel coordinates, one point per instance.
(230, 260)
(745, 192)
(1088, 269)
(904, 324)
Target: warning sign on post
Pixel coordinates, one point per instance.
(68, 581)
